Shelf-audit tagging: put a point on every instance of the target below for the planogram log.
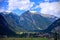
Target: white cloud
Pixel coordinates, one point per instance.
(2, 9)
(20, 4)
(33, 12)
(50, 8)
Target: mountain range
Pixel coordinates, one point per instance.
(28, 22)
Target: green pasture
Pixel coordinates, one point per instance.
(23, 38)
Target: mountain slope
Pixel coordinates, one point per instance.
(4, 27)
(34, 21)
(13, 21)
(53, 27)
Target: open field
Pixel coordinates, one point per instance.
(23, 39)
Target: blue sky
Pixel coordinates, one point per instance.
(19, 6)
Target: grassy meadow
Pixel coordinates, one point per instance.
(23, 38)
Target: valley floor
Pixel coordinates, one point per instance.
(23, 38)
